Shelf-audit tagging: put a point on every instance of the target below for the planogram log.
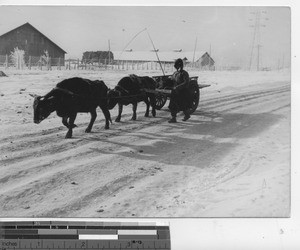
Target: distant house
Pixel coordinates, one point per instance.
(206, 61)
(200, 59)
(32, 41)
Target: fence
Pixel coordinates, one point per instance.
(47, 63)
(29, 62)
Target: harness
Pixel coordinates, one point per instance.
(65, 91)
(124, 97)
(121, 88)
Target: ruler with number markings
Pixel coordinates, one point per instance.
(72, 235)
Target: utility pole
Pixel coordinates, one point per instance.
(209, 56)
(195, 50)
(258, 46)
(108, 51)
(256, 41)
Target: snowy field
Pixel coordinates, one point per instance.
(231, 159)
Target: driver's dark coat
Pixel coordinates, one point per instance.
(181, 79)
(181, 98)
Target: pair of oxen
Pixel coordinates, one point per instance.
(77, 95)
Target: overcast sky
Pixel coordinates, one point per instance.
(225, 31)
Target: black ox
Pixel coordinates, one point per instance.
(72, 96)
(131, 90)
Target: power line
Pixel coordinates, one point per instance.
(256, 41)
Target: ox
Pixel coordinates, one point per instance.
(72, 96)
(131, 90)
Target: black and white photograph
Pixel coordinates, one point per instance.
(145, 111)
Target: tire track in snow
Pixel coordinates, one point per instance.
(38, 157)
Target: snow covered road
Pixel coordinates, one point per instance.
(231, 159)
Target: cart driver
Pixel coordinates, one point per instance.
(181, 98)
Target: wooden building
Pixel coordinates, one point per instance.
(32, 41)
(206, 61)
(198, 59)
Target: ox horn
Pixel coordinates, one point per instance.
(33, 95)
(36, 96)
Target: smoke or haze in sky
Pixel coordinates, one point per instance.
(226, 32)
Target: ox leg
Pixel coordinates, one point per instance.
(152, 103)
(107, 116)
(65, 121)
(93, 118)
(118, 119)
(71, 125)
(148, 106)
(134, 107)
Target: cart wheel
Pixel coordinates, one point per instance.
(160, 101)
(194, 88)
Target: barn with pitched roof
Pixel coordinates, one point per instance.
(33, 42)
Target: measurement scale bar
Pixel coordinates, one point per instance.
(73, 235)
(98, 237)
(137, 232)
(57, 231)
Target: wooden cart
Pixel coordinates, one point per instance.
(164, 89)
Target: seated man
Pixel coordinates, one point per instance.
(181, 98)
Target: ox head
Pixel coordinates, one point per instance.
(113, 96)
(42, 108)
